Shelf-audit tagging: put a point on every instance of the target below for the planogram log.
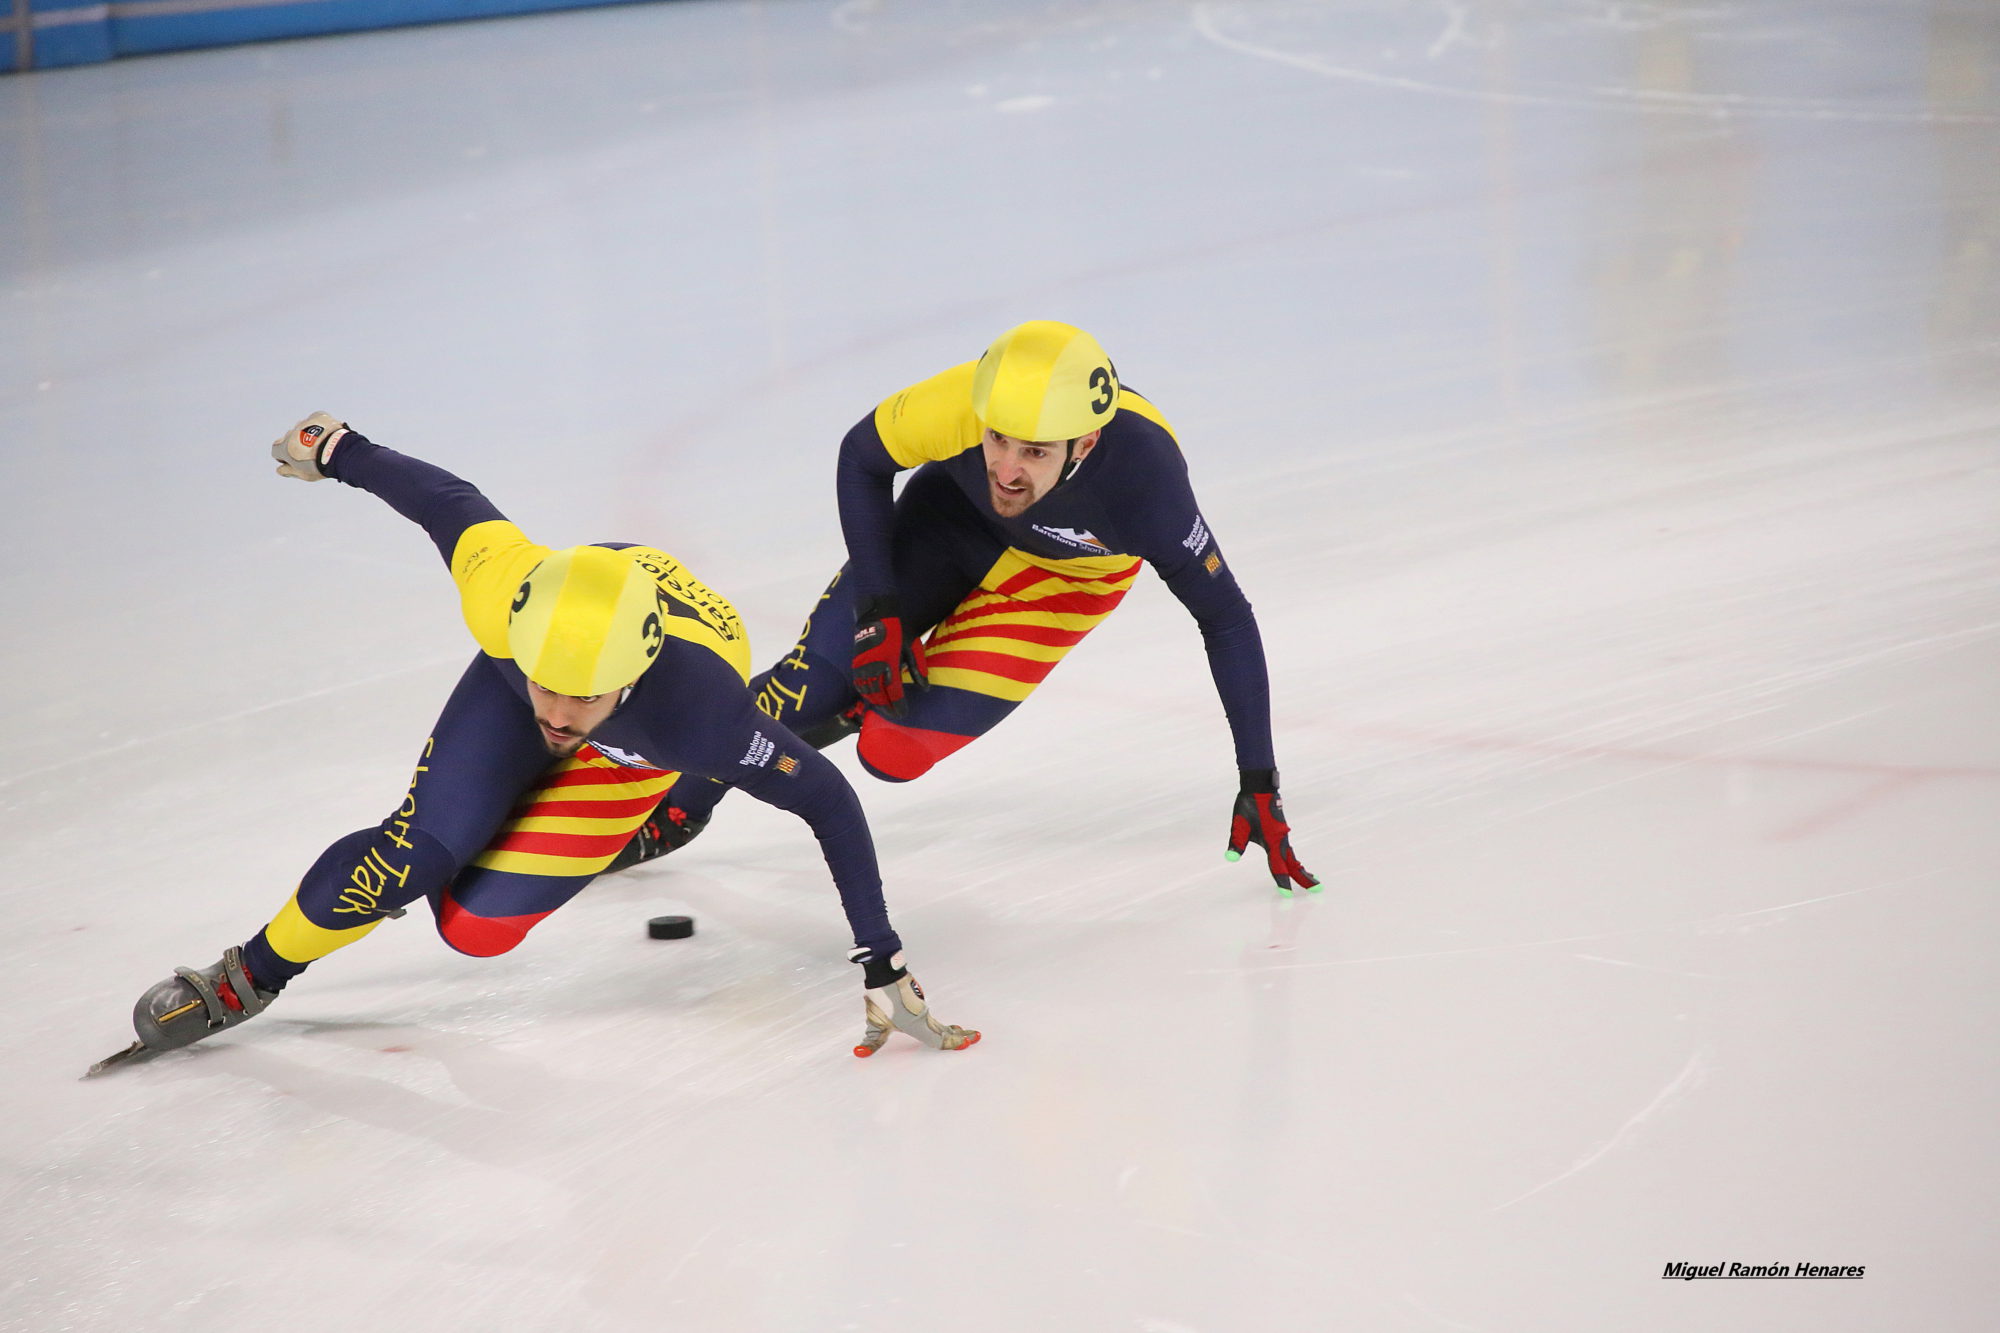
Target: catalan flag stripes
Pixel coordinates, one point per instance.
(584, 812)
(1006, 636)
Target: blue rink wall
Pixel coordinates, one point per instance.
(43, 34)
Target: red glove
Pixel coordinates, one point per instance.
(882, 652)
(1259, 817)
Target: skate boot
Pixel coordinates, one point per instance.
(191, 1005)
(836, 728)
(668, 830)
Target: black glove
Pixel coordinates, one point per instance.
(882, 652)
(1259, 817)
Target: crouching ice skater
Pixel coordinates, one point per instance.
(1042, 484)
(605, 672)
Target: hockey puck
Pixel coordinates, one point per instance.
(670, 927)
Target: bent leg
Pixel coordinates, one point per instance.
(481, 755)
(939, 551)
(991, 652)
(558, 838)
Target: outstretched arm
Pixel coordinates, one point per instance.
(1179, 544)
(1236, 660)
(727, 738)
(488, 556)
(443, 505)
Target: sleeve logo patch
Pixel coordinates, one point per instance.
(1197, 538)
(786, 765)
(1213, 564)
(759, 754)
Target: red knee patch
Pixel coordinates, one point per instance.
(896, 753)
(482, 936)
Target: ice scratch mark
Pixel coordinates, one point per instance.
(1840, 810)
(1696, 924)
(693, 1250)
(1686, 1081)
(1267, 1254)
(1454, 30)
(1645, 967)
(91, 756)
(1206, 19)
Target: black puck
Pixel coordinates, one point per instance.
(670, 927)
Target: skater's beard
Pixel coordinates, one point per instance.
(562, 748)
(565, 722)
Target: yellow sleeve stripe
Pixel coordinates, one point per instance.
(931, 420)
(1132, 402)
(488, 565)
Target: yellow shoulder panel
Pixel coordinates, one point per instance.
(1132, 402)
(488, 564)
(931, 420)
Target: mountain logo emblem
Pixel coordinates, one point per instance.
(1073, 537)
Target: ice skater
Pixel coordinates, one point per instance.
(604, 673)
(1042, 484)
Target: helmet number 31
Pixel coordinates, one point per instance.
(1107, 389)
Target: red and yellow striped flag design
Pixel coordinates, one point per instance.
(1009, 633)
(586, 809)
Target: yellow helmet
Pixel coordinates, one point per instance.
(1044, 381)
(586, 621)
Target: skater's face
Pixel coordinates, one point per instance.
(565, 721)
(1020, 472)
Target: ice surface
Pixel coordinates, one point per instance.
(1599, 402)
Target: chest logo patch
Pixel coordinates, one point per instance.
(1072, 536)
(622, 757)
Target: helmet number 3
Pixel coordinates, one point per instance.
(1107, 389)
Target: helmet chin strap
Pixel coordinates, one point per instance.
(1070, 463)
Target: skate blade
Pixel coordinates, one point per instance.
(109, 1062)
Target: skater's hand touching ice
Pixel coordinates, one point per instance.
(1259, 817)
(894, 1000)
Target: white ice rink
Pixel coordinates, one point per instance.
(1600, 402)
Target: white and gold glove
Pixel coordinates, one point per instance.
(894, 1000)
(303, 450)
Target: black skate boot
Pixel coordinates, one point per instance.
(191, 1005)
(669, 829)
(836, 728)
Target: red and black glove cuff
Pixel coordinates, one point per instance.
(1259, 816)
(881, 652)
